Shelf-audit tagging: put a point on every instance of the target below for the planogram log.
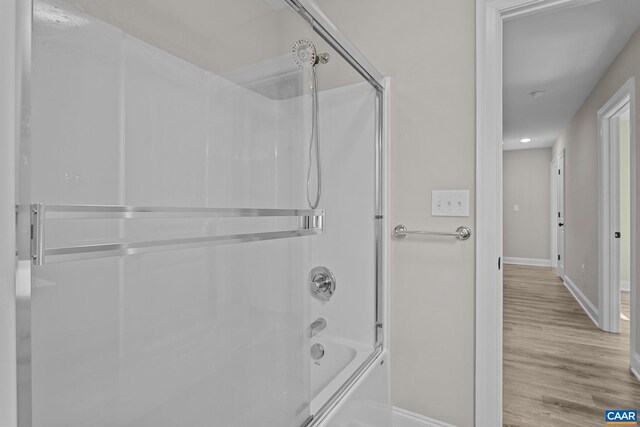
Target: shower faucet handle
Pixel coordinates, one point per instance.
(322, 283)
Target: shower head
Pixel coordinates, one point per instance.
(304, 53)
(305, 56)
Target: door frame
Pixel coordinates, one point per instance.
(609, 208)
(554, 213)
(490, 15)
(560, 195)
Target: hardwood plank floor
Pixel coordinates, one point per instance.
(559, 368)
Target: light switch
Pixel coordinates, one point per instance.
(516, 208)
(450, 203)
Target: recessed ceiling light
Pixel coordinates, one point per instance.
(525, 140)
(537, 93)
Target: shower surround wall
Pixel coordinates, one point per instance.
(181, 336)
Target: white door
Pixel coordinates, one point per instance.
(609, 117)
(560, 217)
(614, 227)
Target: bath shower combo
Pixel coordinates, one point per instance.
(178, 279)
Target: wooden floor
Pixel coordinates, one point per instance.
(559, 369)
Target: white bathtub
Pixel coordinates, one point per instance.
(340, 360)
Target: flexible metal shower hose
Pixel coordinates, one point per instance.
(314, 138)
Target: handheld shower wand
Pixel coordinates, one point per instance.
(305, 56)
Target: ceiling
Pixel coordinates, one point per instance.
(564, 53)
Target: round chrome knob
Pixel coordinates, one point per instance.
(323, 58)
(464, 232)
(317, 351)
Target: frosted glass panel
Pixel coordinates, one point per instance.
(347, 117)
(165, 130)
(188, 338)
(132, 104)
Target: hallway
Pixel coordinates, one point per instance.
(559, 369)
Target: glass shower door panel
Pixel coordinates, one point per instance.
(194, 338)
(348, 246)
(348, 142)
(198, 337)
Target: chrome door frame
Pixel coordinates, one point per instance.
(24, 14)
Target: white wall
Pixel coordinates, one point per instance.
(526, 184)
(579, 140)
(9, 84)
(428, 50)
(216, 35)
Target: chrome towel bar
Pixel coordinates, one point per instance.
(310, 222)
(462, 233)
(129, 212)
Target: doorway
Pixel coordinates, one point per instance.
(616, 187)
(491, 16)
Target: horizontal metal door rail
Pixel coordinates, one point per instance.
(310, 223)
(127, 212)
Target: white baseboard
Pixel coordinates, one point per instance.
(586, 305)
(625, 285)
(404, 418)
(527, 261)
(635, 365)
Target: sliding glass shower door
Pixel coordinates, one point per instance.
(170, 229)
(176, 263)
